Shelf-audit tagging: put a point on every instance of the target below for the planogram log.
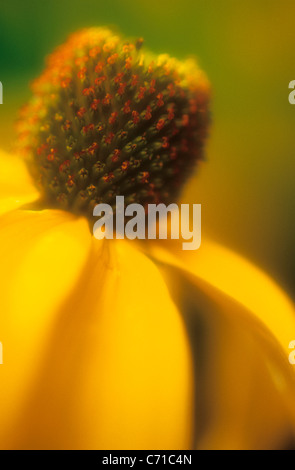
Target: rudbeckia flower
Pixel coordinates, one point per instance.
(108, 344)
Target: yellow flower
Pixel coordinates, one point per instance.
(112, 345)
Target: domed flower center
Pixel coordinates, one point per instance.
(107, 119)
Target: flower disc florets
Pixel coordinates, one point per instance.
(107, 119)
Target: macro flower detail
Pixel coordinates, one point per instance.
(108, 118)
(109, 344)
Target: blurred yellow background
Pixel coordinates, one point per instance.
(246, 187)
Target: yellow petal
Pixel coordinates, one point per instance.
(41, 256)
(249, 322)
(243, 385)
(95, 361)
(238, 278)
(16, 187)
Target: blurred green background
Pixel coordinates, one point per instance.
(246, 188)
